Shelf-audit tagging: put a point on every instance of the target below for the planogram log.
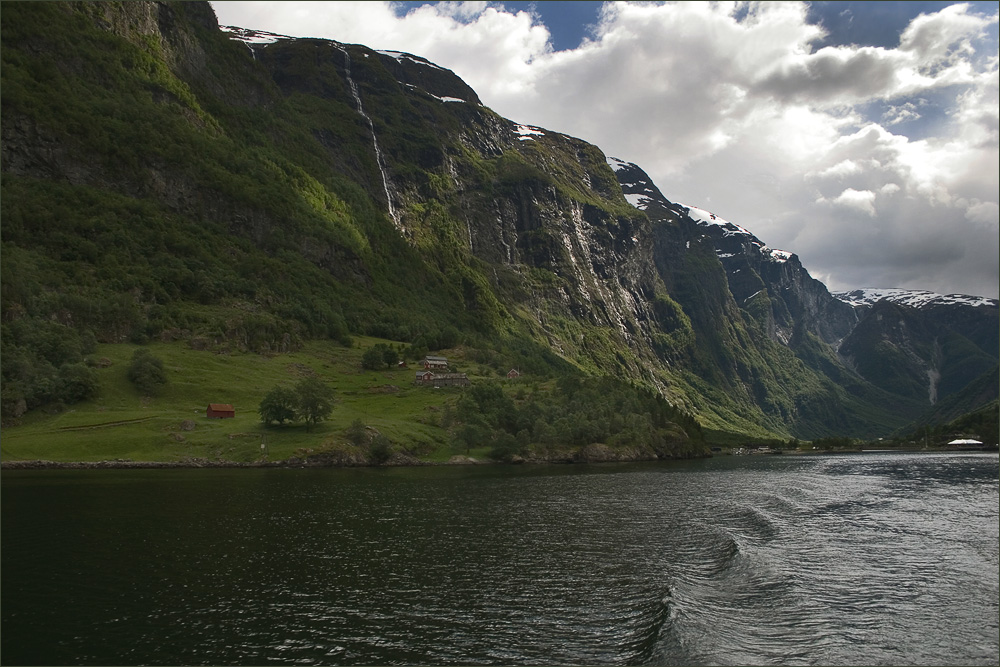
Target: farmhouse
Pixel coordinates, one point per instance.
(220, 411)
(432, 363)
(513, 373)
(429, 379)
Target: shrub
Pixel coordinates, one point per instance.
(146, 372)
(356, 433)
(380, 449)
(77, 382)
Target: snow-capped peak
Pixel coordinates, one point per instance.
(907, 297)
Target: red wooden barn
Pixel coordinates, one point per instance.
(220, 411)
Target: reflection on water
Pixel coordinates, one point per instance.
(861, 559)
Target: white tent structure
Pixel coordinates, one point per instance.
(963, 442)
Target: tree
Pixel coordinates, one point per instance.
(390, 356)
(315, 400)
(146, 372)
(280, 405)
(418, 349)
(471, 435)
(378, 356)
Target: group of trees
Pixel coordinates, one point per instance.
(578, 412)
(379, 356)
(45, 363)
(310, 400)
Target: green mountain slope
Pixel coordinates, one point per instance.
(165, 182)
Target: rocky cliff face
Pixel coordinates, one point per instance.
(305, 187)
(916, 345)
(797, 302)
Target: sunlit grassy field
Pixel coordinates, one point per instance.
(122, 424)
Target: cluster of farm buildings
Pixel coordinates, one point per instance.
(434, 374)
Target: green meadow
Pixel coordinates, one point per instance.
(120, 423)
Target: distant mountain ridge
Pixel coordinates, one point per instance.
(869, 296)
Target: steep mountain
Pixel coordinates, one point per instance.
(162, 179)
(911, 344)
(921, 344)
(798, 302)
(767, 333)
(165, 178)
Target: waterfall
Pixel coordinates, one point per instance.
(378, 153)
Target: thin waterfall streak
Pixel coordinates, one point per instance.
(378, 153)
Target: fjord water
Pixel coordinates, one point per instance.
(835, 560)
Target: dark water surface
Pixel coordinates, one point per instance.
(834, 560)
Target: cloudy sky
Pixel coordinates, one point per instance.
(862, 136)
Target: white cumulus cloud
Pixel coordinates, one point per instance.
(861, 200)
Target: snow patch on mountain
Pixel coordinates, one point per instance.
(707, 218)
(437, 97)
(528, 132)
(914, 298)
(252, 36)
(399, 55)
(617, 164)
(647, 193)
(642, 193)
(640, 201)
(704, 217)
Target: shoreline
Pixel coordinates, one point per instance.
(395, 462)
(40, 464)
